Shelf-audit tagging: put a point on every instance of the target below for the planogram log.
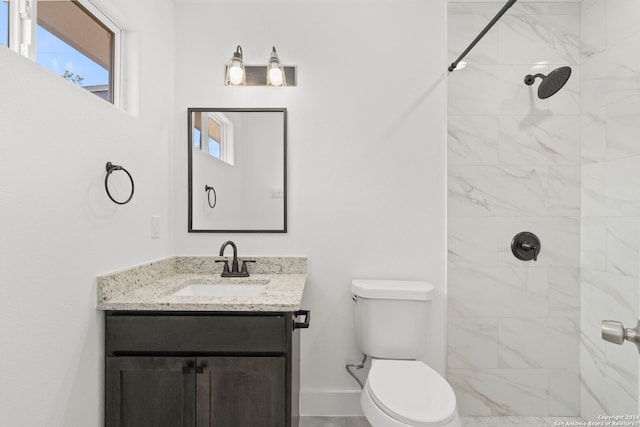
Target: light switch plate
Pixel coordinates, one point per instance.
(155, 226)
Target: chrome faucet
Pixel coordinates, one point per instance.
(235, 271)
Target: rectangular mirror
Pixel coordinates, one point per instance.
(237, 170)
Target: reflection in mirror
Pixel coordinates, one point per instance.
(237, 170)
(213, 134)
(4, 23)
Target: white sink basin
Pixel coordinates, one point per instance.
(220, 290)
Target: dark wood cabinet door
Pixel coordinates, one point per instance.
(241, 391)
(150, 392)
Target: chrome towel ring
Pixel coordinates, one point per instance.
(110, 168)
(210, 189)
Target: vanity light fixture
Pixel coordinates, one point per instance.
(272, 74)
(236, 75)
(275, 71)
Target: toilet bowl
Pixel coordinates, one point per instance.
(402, 393)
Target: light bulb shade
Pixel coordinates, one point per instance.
(275, 75)
(236, 75)
(275, 71)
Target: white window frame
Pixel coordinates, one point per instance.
(22, 14)
(23, 21)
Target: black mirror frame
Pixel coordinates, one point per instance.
(190, 165)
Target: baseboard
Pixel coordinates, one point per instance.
(330, 403)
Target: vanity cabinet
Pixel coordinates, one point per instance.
(149, 392)
(205, 369)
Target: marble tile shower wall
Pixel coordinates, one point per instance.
(514, 165)
(610, 229)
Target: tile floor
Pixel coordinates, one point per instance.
(334, 422)
(520, 421)
(466, 421)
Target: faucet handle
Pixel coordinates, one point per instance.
(244, 265)
(225, 269)
(613, 331)
(531, 246)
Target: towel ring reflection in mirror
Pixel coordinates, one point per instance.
(110, 168)
(210, 190)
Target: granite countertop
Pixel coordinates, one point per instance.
(150, 287)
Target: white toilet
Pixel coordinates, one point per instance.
(391, 318)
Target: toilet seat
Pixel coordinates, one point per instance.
(411, 392)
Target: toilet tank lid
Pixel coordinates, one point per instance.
(392, 289)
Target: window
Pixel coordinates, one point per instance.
(4, 23)
(73, 39)
(213, 134)
(196, 135)
(74, 44)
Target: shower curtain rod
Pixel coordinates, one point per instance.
(482, 33)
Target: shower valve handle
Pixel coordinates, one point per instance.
(525, 246)
(615, 332)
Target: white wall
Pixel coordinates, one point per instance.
(211, 171)
(261, 150)
(58, 230)
(366, 155)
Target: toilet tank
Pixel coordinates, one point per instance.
(391, 317)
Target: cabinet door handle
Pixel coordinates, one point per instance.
(186, 370)
(307, 319)
(200, 369)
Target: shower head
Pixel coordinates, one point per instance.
(551, 83)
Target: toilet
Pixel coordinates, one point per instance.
(391, 319)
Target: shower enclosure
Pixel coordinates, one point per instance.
(525, 336)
